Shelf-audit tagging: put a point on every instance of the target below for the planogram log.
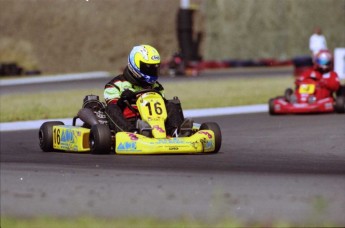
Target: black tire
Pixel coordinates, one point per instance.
(341, 91)
(271, 107)
(100, 139)
(217, 133)
(45, 135)
(340, 104)
(288, 92)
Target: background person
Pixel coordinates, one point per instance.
(317, 41)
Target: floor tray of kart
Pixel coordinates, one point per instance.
(95, 136)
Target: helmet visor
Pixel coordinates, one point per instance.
(323, 61)
(149, 69)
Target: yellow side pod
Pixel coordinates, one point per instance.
(71, 138)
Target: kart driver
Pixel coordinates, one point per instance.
(140, 73)
(322, 72)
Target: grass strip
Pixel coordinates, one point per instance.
(192, 93)
(91, 222)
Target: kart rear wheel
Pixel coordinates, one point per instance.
(100, 139)
(340, 104)
(217, 133)
(341, 91)
(45, 135)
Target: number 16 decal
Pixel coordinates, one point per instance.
(156, 107)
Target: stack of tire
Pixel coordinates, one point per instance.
(189, 46)
(13, 69)
(10, 69)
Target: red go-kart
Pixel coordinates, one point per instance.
(305, 100)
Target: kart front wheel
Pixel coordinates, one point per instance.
(100, 139)
(287, 94)
(217, 133)
(340, 104)
(45, 135)
(271, 107)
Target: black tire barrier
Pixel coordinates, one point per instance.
(10, 69)
(302, 61)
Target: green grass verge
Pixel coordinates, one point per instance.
(90, 222)
(193, 94)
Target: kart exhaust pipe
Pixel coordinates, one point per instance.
(87, 115)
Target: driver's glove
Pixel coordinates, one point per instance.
(128, 95)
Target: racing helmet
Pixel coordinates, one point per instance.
(323, 60)
(143, 63)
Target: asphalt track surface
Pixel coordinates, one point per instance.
(269, 168)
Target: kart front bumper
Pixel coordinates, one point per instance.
(202, 141)
(280, 106)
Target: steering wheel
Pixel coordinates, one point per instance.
(137, 94)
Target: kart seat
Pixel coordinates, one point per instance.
(186, 128)
(144, 128)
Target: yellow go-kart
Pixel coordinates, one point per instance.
(95, 136)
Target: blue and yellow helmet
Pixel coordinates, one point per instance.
(144, 62)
